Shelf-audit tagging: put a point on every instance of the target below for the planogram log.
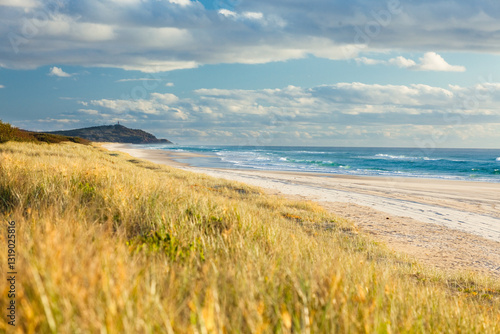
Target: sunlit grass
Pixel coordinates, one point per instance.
(10, 133)
(111, 244)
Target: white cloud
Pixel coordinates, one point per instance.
(2, 86)
(58, 72)
(253, 15)
(228, 13)
(169, 84)
(384, 97)
(164, 98)
(431, 61)
(402, 62)
(245, 15)
(253, 18)
(158, 104)
(182, 3)
(368, 61)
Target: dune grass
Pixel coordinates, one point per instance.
(11, 133)
(111, 244)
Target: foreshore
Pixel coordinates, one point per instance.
(453, 225)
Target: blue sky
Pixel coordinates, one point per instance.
(283, 72)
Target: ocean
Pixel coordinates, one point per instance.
(453, 164)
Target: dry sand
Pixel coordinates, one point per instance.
(448, 224)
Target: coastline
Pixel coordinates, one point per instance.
(156, 156)
(430, 220)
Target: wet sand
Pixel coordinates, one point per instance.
(447, 224)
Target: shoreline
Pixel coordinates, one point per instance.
(156, 155)
(430, 220)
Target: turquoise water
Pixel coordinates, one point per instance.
(455, 164)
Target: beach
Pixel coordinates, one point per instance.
(452, 225)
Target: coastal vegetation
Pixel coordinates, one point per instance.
(112, 244)
(11, 133)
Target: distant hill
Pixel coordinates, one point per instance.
(114, 133)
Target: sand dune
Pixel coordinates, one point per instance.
(449, 224)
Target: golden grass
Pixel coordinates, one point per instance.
(111, 244)
(10, 133)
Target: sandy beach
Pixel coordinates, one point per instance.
(448, 224)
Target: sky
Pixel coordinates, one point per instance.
(395, 73)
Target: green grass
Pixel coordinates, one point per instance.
(106, 245)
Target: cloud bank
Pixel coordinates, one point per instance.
(339, 114)
(179, 34)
